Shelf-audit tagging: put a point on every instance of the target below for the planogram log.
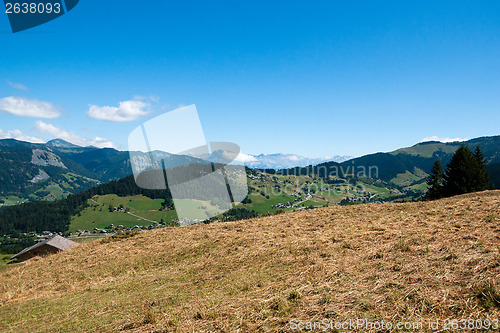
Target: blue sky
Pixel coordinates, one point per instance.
(314, 78)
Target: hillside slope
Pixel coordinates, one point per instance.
(410, 165)
(414, 261)
(36, 171)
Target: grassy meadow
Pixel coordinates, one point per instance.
(417, 261)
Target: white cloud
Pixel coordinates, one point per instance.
(445, 140)
(242, 158)
(126, 111)
(18, 135)
(151, 98)
(18, 86)
(59, 133)
(25, 107)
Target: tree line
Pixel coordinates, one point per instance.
(465, 173)
(56, 215)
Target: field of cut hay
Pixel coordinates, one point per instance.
(411, 262)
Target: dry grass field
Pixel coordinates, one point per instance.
(393, 262)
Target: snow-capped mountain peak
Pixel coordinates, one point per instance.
(284, 161)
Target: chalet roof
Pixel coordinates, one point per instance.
(56, 241)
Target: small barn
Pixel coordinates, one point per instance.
(48, 246)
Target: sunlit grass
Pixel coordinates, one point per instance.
(417, 261)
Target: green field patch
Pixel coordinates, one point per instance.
(65, 185)
(420, 187)
(404, 179)
(97, 214)
(262, 205)
(141, 203)
(112, 200)
(134, 203)
(332, 196)
(308, 203)
(377, 190)
(165, 215)
(12, 200)
(100, 217)
(55, 191)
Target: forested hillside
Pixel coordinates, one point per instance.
(30, 172)
(55, 215)
(413, 163)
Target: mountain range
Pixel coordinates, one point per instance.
(408, 167)
(33, 171)
(284, 161)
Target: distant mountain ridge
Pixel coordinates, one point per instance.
(60, 143)
(285, 161)
(48, 171)
(410, 166)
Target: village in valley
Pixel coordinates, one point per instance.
(268, 194)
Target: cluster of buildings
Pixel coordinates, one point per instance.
(111, 229)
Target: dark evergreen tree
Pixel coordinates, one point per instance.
(465, 173)
(481, 176)
(435, 181)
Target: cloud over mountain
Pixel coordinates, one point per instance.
(25, 107)
(18, 135)
(60, 133)
(444, 140)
